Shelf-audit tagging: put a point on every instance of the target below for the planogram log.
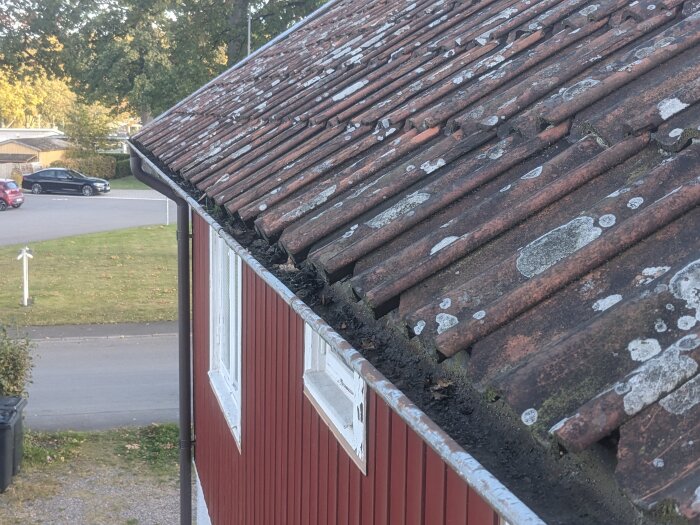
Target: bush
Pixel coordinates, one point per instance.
(15, 364)
(123, 169)
(16, 176)
(93, 166)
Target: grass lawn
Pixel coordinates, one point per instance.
(124, 276)
(127, 183)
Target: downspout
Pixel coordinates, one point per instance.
(184, 353)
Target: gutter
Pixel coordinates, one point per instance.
(184, 332)
(497, 495)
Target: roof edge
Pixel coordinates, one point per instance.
(245, 59)
(495, 493)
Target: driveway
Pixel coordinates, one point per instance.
(44, 217)
(103, 376)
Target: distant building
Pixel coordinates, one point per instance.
(27, 133)
(44, 150)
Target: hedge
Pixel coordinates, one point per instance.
(94, 166)
(123, 169)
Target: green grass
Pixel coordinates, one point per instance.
(45, 448)
(127, 183)
(154, 447)
(125, 276)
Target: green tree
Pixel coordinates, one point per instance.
(87, 125)
(145, 54)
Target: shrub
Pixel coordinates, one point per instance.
(15, 364)
(123, 169)
(93, 166)
(16, 175)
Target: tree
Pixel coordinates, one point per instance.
(88, 125)
(34, 101)
(145, 54)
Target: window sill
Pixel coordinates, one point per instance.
(228, 404)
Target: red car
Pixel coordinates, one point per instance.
(10, 194)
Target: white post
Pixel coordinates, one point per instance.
(167, 212)
(25, 254)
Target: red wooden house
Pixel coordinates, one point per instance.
(426, 230)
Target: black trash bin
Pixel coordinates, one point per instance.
(12, 431)
(8, 419)
(17, 404)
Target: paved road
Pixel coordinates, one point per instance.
(98, 377)
(44, 217)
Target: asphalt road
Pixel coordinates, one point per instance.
(99, 377)
(43, 217)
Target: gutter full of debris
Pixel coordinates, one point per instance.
(499, 497)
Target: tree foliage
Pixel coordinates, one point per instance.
(141, 54)
(34, 101)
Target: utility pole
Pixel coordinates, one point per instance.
(250, 18)
(25, 254)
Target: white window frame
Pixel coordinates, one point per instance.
(338, 393)
(225, 348)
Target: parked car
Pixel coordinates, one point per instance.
(10, 194)
(62, 180)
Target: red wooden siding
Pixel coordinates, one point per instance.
(292, 470)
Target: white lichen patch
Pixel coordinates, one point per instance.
(603, 304)
(669, 107)
(430, 166)
(607, 220)
(685, 285)
(618, 192)
(491, 121)
(660, 326)
(658, 463)
(350, 232)
(651, 273)
(684, 398)
(529, 417)
(262, 207)
(533, 174)
(445, 303)
(242, 151)
(505, 188)
(479, 315)
(313, 203)
(643, 349)
(686, 322)
(574, 91)
(676, 132)
(635, 203)
(401, 208)
(589, 10)
(443, 244)
(658, 376)
(349, 90)
(555, 245)
(445, 322)
(418, 329)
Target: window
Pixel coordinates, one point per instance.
(337, 392)
(225, 269)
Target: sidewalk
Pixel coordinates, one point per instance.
(100, 330)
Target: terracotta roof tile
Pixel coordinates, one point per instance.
(533, 165)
